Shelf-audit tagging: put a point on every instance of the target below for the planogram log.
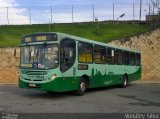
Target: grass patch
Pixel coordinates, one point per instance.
(103, 32)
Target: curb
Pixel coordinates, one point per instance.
(8, 84)
(134, 82)
(147, 82)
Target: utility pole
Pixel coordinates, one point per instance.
(133, 13)
(30, 20)
(149, 9)
(153, 10)
(72, 14)
(93, 13)
(140, 11)
(51, 14)
(113, 13)
(7, 16)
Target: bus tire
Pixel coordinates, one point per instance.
(81, 87)
(124, 82)
(50, 92)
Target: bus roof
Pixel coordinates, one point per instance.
(63, 35)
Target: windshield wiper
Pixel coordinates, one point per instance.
(29, 56)
(37, 53)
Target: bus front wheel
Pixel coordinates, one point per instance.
(81, 87)
(124, 82)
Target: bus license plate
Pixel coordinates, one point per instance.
(32, 85)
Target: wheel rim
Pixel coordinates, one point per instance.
(83, 86)
(125, 82)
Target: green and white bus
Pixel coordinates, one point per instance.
(58, 62)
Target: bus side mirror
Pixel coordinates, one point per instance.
(15, 52)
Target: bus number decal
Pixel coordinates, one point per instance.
(82, 67)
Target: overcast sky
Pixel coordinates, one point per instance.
(18, 11)
(63, 2)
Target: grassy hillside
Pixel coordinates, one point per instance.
(104, 32)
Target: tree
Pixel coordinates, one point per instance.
(156, 4)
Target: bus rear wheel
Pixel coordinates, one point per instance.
(124, 82)
(81, 87)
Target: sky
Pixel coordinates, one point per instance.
(44, 11)
(63, 2)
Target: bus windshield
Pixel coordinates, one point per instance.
(43, 56)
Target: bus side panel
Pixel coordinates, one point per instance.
(105, 75)
(62, 84)
(117, 74)
(99, 75)
(136, 73)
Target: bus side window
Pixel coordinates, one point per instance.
(118, 57)
(110, 56)
(85, 53)
(132, 59)
(138, 59)
(99, 54)
(67, 54)
(126, 58)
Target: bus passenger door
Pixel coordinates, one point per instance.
(67, 63)
(110, 66)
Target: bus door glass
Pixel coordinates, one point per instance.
(110, 64)
(67, 54)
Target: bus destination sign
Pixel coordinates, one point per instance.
(39, 38)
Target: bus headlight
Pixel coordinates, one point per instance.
(53, 76)
(20, 76)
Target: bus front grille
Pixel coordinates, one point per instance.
(35, 73)
(34, 80)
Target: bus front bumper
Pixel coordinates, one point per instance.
(57, 85)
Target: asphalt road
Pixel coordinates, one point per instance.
(137, 98)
